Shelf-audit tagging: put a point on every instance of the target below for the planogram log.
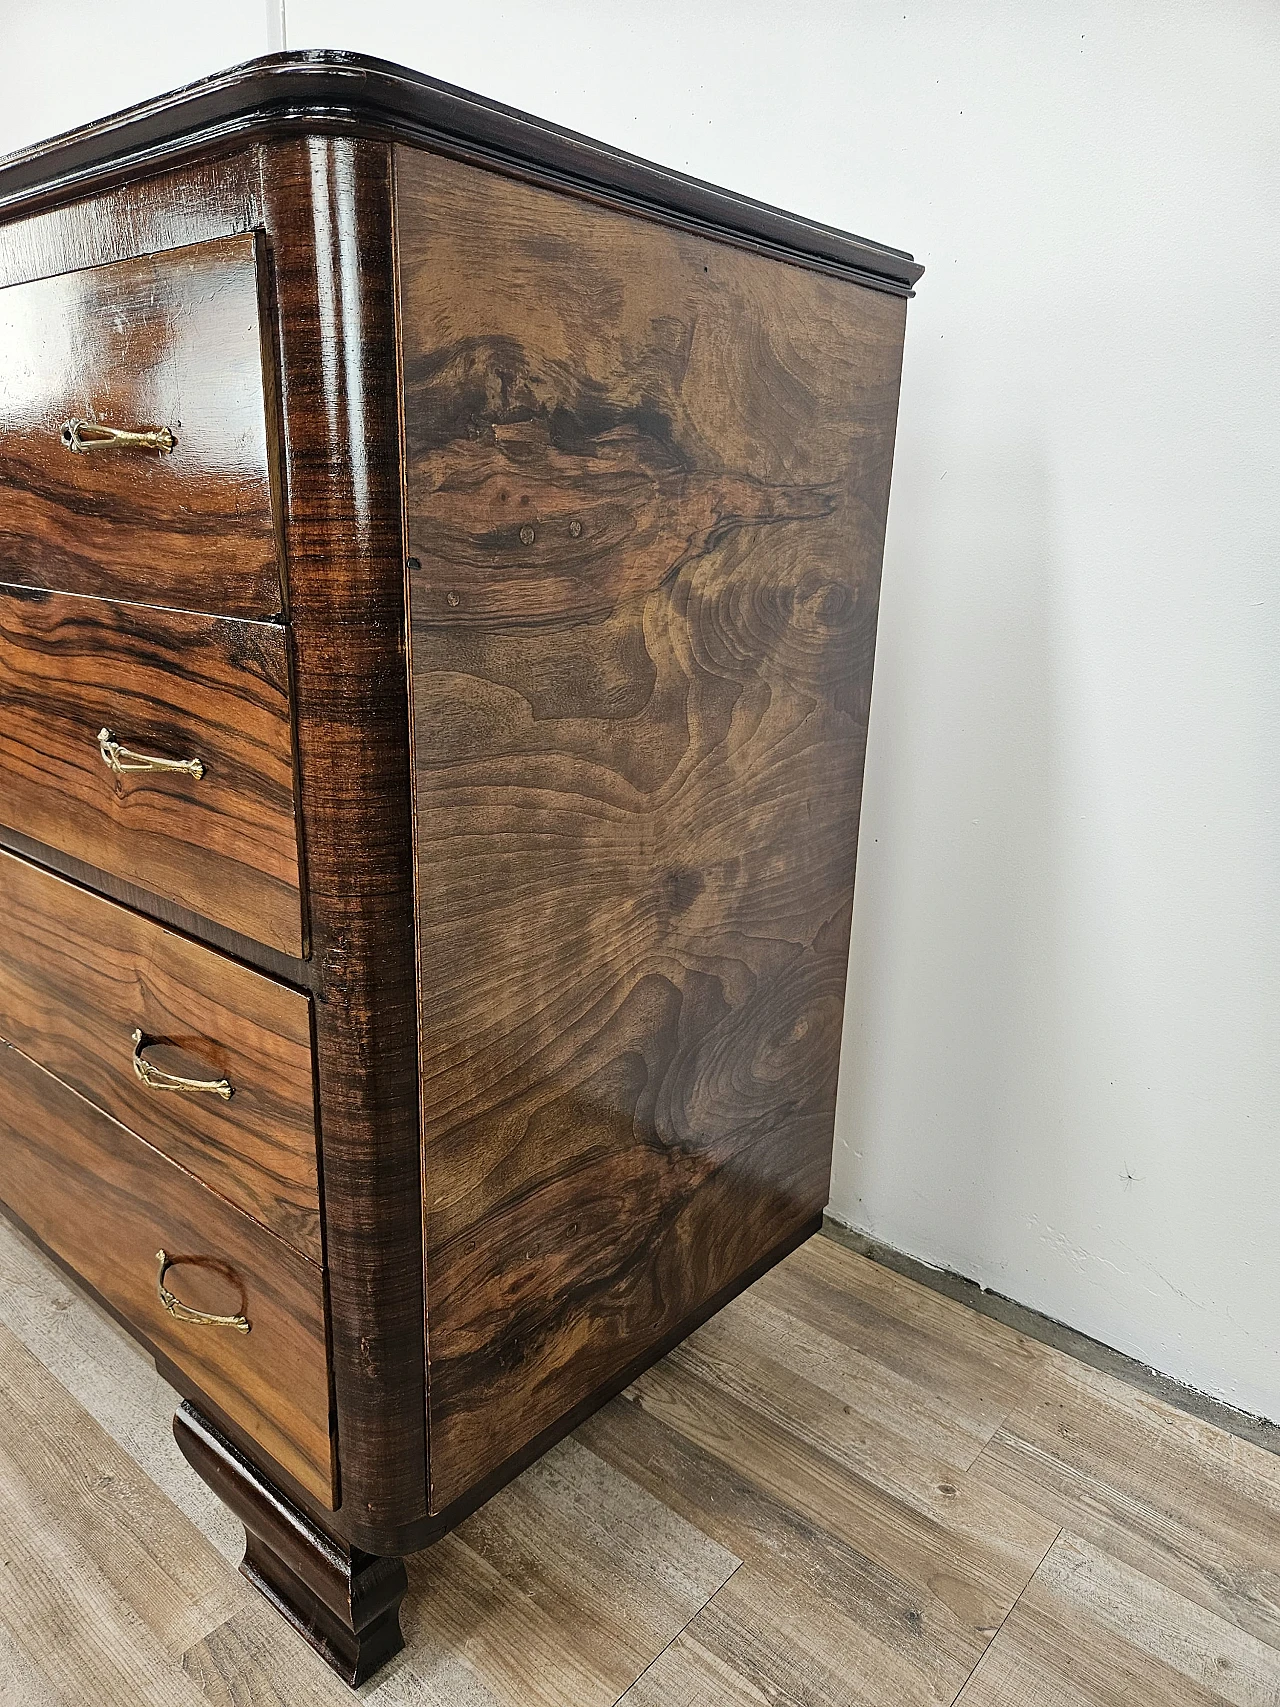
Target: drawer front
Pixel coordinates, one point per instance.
(106, 1203)
(79, 975)
(168, 343)
(170, 685)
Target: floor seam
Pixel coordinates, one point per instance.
(680, 1632)
(995, 1635)
(1059, 1337)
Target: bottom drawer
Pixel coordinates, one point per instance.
(107, 1203)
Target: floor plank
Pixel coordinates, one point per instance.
(762, 1646)
(98, 1364)
(940, 1346)
(67, 1619)
(65, 1484)
(22, 1684)
(1091, 1632)
(969, 1547)
(600, 1555)
(688, 1674)
(575, 1563)
(950, 1426)
(246, 1662)
(1173, 1497)
(771, 1373)
(935, 1650)
(843, 1490)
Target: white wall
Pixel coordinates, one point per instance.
(66, 62)
(1060, 1070)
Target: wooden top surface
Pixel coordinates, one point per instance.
(344, 92)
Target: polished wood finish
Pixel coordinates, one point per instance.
(334, 357)
(345, 94)
(640, 1561)
(336, 336)
(79, 974)
(566, 478)
(646, 483)
(345, 1603)
(212, 197)
(170, 340)
(105, 1203)
(168, 683)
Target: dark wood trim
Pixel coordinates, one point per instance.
(344, 1602)
(327, 212)
(323, 92)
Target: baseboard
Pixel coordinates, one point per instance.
(1057, 1334)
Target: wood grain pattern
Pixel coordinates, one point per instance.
(955, 1549)
(646, 487)
(1091, 1633)
(911, 1637)
(170, 340)
(207, 198)
(173, 684)
(1170, 1498)
(78, 974)
(327, 208)
(752, 1646)
(956, 1374)
(105, 1202)
(70, 1487)
(323, 210)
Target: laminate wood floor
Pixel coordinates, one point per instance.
(843, 1489)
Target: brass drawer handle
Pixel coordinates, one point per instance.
(183, 1312)
(158, 1080)
(121, 759)
(89, 435)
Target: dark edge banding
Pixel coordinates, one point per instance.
(331, 92)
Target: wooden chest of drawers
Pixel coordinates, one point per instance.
(439, 562)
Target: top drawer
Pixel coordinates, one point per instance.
(171, 342)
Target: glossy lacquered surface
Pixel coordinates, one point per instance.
(169, 684)
(105, 1202)
(345, 1603)
(324, 93)
(520, 547)
(646, 488)
(169, 341)
(327, 203)
(79, 975)
(323, 212)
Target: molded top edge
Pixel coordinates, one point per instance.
(323, 90)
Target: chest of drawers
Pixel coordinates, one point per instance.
(439, 561)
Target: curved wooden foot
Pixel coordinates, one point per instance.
(344, 1602)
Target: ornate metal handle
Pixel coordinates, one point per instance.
(89, 435)
(183, 1312)
(158, 1080)
(121, 759)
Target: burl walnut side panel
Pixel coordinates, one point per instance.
(647, 476)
